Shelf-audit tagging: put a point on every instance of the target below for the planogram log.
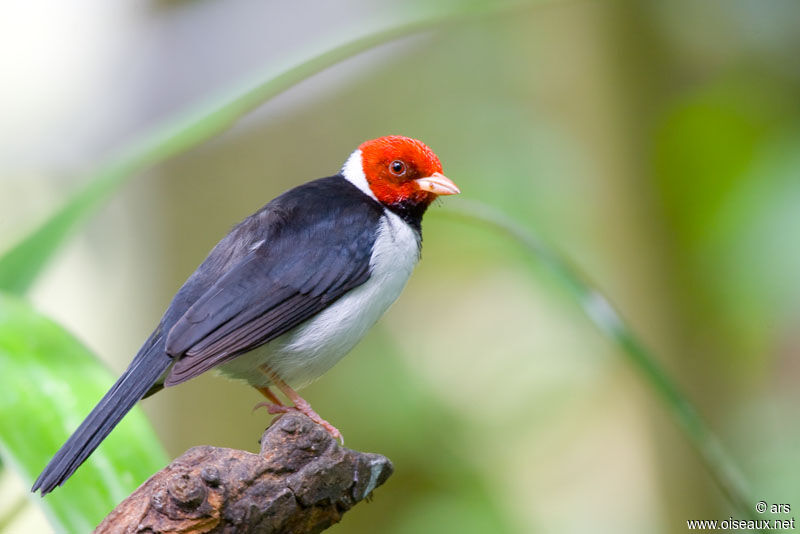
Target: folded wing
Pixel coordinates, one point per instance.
(306, 264)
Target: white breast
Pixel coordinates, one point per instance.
(307, 351)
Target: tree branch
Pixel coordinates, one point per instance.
(301, 482)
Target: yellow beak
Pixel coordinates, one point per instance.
(438, 183)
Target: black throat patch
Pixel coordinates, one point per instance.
(411, 213)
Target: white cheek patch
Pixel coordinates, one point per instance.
(353, 171)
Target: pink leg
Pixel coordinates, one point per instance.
(300, 404)
(270, 395)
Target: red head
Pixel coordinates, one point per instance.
(401, 170)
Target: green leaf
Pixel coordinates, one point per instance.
(20, 265)
(599, 310)
(50, 381)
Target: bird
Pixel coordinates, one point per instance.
(286, 293)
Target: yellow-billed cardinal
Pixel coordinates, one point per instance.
(287, 293)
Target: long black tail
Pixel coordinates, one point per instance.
(142, 374)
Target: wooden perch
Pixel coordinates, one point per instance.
(301, 482)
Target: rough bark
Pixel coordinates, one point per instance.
(301, 482)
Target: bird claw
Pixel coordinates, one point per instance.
(305, 410)
(275, 408)
(332, 430)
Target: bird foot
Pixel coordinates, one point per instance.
(305, 409)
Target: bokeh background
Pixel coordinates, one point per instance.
(656, 144)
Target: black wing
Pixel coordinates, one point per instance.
(315, 245)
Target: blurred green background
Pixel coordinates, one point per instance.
(656, 144)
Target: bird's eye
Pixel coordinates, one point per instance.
(397, 167)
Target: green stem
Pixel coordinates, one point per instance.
(12, 513)
(20, 265)
(606, 318)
